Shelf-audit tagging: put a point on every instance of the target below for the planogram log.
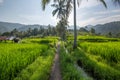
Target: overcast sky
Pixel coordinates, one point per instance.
(30, 12)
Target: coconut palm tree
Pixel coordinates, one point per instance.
(45, 2)
(75, 29)
(60, 9)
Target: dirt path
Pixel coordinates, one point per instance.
(55, 73)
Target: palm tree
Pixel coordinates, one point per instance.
(61, 29)
(75, 30)
(45, 2)
(60, 9)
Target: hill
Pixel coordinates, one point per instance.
(112, 27)
(7, 27)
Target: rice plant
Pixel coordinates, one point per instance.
(15, 57)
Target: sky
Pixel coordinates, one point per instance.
(90, 12)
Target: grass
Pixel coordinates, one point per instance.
(16, 57)
(69, 71)
(109, 52)
(98, 56)
(39, 69)
(94, 39)
(97, 70)
(33, 57)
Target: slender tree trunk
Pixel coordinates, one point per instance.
(75, 31)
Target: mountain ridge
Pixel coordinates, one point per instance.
(113, 27)
(8, 26)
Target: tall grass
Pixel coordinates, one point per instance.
(109, 51)
(98, 70)
(39, 69)
(69, 70)
(15, 57)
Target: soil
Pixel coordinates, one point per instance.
(56, 73)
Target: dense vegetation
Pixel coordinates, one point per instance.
(32, 58)
(69, 69)
(98, 56)
(26, 59)
(40, 32)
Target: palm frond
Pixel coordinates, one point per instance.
(104, 3)
(44, 3)
(55, 11)
(54, 5)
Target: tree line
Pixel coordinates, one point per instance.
(40, 32)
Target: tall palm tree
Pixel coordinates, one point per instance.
(45, 2)
(75, 31)
(60, 9)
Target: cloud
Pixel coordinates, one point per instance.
(89, 3)
(98, 20)
(108, 19)
(86, 22)
(38, 19)
(1, 1)
(107, 12)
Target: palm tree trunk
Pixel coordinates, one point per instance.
(75, 31)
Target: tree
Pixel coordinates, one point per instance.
(6, 34)
(29, 31)
(92, 31)
(61, 11)
(118, 35)
(110, 34)
(35, 31)
(45, 2)
(75, 29)
(14, 32)
(61, 30)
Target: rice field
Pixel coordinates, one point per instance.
(32, 59)
(108, 51)
(14, 57)
(98, 56)
(102, 57)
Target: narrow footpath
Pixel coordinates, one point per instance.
(56, 73)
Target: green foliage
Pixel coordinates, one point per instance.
(97, 55)
(16, 57)
(69, 71)
(108, 51)
(98, 70)
(97, 39)
(32, 32)
(92, 31)
(39, 69)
